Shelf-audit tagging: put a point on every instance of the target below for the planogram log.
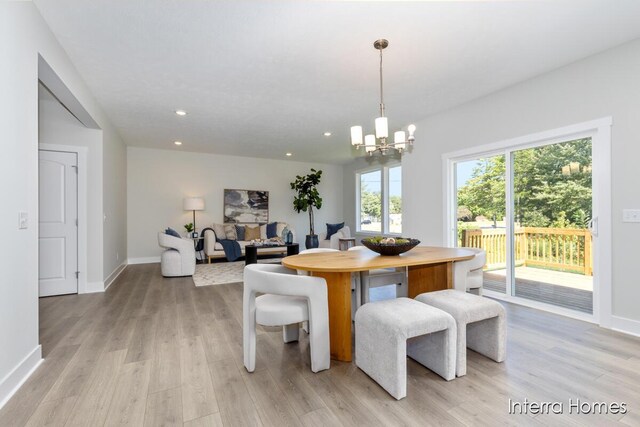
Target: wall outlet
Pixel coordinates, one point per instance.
(631, 215)
(23, 220)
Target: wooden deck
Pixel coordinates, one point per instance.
(568, 290)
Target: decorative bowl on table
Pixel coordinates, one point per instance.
(390, 245)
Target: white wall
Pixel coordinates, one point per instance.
(607, 84)
(114, 200)
(158, 180)
(57, 126)
(24, 35)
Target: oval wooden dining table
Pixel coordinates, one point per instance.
(430, 269)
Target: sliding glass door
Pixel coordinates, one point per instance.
(530, 210)
(481, 214)
(553, 205)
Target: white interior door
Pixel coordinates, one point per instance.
(58, 227)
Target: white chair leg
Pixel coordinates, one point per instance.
(249, 347)
(291, 333)
(356, 297)
(402, 291)
(319, 345)
(364, 287)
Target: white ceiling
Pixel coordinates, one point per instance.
(261, 78)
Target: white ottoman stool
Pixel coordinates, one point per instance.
(481, 324)
(386, 331)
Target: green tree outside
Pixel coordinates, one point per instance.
(544, 196)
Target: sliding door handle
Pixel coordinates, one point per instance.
(593, 226)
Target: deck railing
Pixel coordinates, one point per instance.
(563, 249)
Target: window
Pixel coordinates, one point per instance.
(380, 200)
(371, 201)
(395, 200)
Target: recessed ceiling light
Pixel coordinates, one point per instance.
(327, 134)
(177, 142)
(181, 112)
(289, 154)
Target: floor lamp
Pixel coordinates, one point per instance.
(193, 204)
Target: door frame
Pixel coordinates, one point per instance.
(600, 132)
(81, 153)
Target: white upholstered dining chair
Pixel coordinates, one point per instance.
(288, 300)
(382, 277)
(467, 275)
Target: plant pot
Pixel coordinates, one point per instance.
(311, 241)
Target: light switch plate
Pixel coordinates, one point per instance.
(631, 215)
(23, 220)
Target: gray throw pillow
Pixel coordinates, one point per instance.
(240, 232)
(230, 231)
(219, 230)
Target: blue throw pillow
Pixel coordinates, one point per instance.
(333, 229)
(240, 232)
(272, 230)
(171, 232)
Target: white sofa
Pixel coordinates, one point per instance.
(213, 249)
(334, 241)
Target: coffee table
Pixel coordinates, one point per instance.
(251, 251)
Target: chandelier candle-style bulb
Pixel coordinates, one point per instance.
(382, 127)
(356, 135)
(411, 129)
(399, 139)
(370, 143)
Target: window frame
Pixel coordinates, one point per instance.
(384, 199)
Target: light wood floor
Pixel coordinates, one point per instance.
(153, 351)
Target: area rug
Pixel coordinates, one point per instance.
(220, 273)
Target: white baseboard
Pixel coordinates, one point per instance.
(93, 287)
(144, 260)
(627, 326)
(114, 275)
(14, 380)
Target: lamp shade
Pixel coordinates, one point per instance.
(193, 204)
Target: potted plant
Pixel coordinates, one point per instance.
(306, 199)
(189, 228)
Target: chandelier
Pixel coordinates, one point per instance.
(380, 141)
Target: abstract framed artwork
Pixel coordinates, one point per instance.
(246, 206)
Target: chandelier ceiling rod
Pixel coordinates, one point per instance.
(380, 46)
